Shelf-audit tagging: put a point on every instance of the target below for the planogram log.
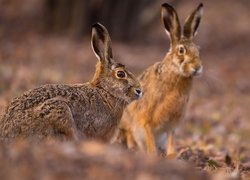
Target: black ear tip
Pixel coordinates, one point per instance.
(200, 5)
(166, 5)
(99, 28)
(97, 25)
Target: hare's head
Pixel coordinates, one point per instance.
(111, 76)
(184, 53)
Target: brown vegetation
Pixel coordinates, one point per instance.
(88, 160)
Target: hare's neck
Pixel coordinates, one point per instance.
(111, 101)
(180, 83)
(174, 80)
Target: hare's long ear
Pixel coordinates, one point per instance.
(101, 43)
(171, 22)
(192, 22)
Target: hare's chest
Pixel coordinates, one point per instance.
(170, 111)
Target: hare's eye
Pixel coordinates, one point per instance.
(182, 50)
(121, 74)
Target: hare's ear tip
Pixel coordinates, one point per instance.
(166, 5)
(96, 25)
(98, 28)
(200, 6)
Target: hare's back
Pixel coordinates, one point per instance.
(39, 95)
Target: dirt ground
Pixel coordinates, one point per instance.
(215, 133)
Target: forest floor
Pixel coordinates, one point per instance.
(215, 133)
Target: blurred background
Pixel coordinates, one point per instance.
(48, 41)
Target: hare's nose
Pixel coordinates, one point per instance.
(138, 93)
(198, 70)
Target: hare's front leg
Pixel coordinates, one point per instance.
(149, 139)
(170, 145)
(57, 114)
(131, 143)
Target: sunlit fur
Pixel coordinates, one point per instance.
(188, 64)
(166, 86)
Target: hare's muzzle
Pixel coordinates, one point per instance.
(138, 92)
(197, 71)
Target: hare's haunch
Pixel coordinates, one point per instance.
(91, 110)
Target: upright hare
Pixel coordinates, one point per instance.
(91, 110)
(166, 86)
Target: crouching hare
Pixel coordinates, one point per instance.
(166, 86)
(73, 112)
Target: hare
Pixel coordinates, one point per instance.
(166, 86)
(74, 112)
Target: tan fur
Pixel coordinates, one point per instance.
(166, 86)
(72, 112)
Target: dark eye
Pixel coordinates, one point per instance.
(121, 74)
(182, 50)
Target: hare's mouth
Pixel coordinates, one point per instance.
(134, 94)
(196, 71)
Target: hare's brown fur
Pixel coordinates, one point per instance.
(90, 110)
(166, 86)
